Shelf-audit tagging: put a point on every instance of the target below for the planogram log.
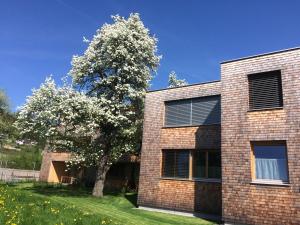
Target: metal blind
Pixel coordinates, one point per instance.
(176, 163)
(178, 113)
(196, 111)
(206, 110)
(265, 90)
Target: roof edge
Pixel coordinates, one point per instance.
(163, 89)
(262, 54)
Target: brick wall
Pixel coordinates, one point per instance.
(184, 195)
(244, 202)
(204, 137)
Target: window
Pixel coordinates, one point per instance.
(178, 112)
(206, 110)
(269, 161)
(196, 111)
(200, 165)
(176, 163)
(265, 90)
(207, 164)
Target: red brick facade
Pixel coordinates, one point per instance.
(242, 200)
(185, 195)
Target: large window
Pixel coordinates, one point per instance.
(269, 161)
(176, 163)
(207, 164)
(204, 164)
(265, 90)
(196, 111)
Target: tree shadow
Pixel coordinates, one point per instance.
(132, 198)
(60, 190)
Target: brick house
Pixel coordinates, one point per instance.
(228, 147)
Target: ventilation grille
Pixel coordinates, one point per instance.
(265, 90)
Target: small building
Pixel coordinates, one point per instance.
(121, 175)
(229, 147)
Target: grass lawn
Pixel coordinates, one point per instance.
(29, 204)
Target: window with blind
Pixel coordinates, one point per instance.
(207, 164)
(269, 161)
(265, 90)
(196, 111)
(175, 163)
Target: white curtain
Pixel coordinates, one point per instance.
(271, 169)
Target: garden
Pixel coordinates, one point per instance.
(96, 113)
(40, 203)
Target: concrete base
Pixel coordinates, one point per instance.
(180, 213)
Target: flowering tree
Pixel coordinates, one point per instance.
(4, 105)
(7, 130)
(174, 82)
(99, 118)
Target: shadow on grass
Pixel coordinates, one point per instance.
(132, 198)
(59, 190)
(74, 191)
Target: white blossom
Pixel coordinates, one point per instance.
(99, 117)
(85, 40)
(174, 82)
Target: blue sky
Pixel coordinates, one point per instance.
(38, 38)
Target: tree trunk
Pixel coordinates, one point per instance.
(98, 187)
(100, 179)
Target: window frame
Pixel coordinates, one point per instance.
(191, 166)
(264, 73)
(207, 151)
(163, 164)
(253, 167)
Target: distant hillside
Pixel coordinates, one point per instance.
(24, 157)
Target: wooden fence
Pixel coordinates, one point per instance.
(16, 175)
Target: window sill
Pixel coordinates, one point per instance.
(208, 180)
(204, 180)
(265, 109)
(270, 183)
(189, 125)
(175, 178)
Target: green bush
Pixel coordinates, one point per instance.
(28, 157)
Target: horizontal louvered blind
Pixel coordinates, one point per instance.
(206, 110)
(176, 163)
(178, 113)
(196, 111)
(265, 90)
(168, 163)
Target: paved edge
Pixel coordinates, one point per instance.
(180, 213)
